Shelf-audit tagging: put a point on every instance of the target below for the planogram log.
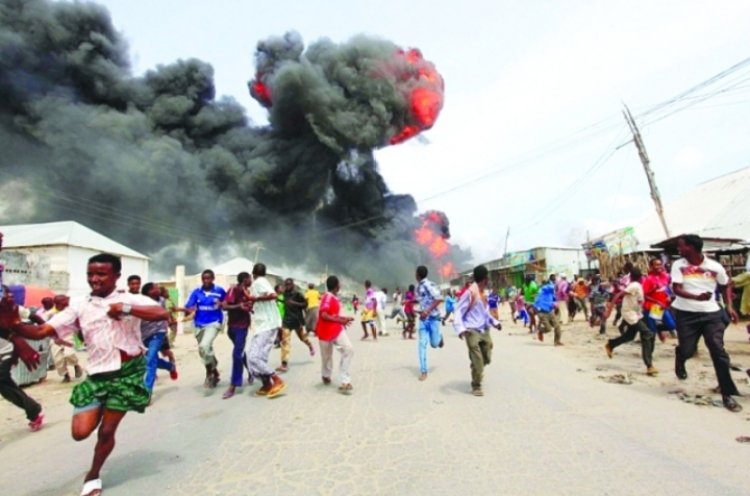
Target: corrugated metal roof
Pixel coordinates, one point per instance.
(714, 209)
(66, 233)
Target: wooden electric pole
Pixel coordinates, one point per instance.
(646, 167)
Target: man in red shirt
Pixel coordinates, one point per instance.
(330, 332)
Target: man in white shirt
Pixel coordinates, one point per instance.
(110, 321)
(266, 324)
(382, 299)
(631, 300)
(697, 313)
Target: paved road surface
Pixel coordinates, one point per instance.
(543, 427)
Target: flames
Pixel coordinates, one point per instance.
(433, 233)
(415, 79)
(422, 86)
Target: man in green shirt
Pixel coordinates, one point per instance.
(530, 290)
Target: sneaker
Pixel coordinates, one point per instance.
(477, 392)
(36, 424)
(652, 371)
(729, 403)
(276, 389)
(608, 349)
(173, 373)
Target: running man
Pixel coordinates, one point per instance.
(472, 323)
(331, 333)
(631, 302)
(694, 281)
(111, 324)
(154, 335)
(237, 305)
(205, 304)
(429, 298)
(266, 323)
(312, 296)
(293, 320)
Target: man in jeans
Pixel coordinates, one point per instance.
(429, 298)
(472, 323)
(237, 305)
(697, 313)
(153, 334)
(205, 302)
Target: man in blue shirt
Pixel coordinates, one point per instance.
(205, 302)
(472, 322)
(429, 298)
(545, 305)
(450, 303)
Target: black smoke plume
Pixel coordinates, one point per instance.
(161, 164)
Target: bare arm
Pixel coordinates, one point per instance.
(680, 291)
(31, 331)
(144, 312)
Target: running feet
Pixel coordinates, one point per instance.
(36, 424)
(277, 387)
(652, 371)
(730, 404)
(679, 369)
(608, 349)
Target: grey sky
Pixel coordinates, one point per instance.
(520, 77)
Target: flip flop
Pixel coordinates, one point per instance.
(92, 487)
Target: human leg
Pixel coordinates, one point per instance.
(257, 351)
(647, 345)
(688, 333)
(713, 336)
(302, 335)
(105, 443)
(423, 342)
(476, 358)
(286, 349)
(14, 394)
(239, 339)
(555, 321)
(436, 336)
(344, 346)
(58, 356)
(326, 360)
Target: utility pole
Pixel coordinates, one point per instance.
(507, 235)
(646, 167)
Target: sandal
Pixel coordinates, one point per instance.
(92, 487)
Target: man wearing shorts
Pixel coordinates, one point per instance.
(110, 321)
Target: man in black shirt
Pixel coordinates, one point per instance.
(294, 320)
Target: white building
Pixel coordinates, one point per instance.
(55, 255)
